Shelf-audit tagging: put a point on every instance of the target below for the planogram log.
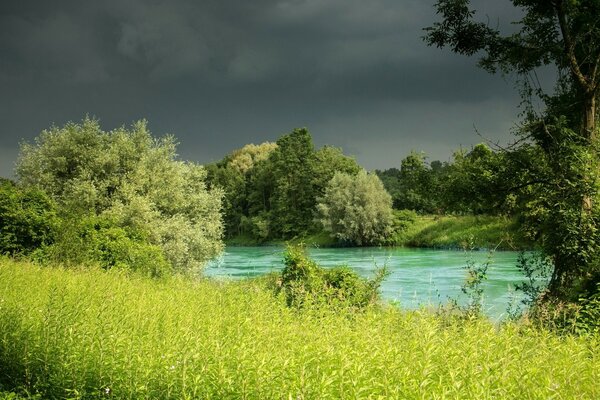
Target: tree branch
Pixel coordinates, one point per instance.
(570, 46)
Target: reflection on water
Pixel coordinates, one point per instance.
(418, 276)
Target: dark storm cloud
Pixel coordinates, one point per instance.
(220, 74)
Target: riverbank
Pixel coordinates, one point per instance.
(426, 231)
(92, 334)
(459, 232)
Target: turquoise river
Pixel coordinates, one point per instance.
(419, 277)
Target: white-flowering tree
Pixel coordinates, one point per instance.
(356, 209)
(132, 179)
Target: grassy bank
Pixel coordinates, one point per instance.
(489, 232)
(459, 231)
(89, 334)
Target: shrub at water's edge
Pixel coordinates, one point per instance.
(303, 282)
(92, 334)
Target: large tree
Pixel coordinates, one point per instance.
(356, 209)
(128, 177)
(294, 199)
(564, 34)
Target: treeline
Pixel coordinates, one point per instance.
(475, 182)
(290, 189)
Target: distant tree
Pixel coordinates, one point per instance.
(356, 209)
(416, 185)
(391, 182)
(327, 161)
(27, 219)
(271, 189)
(475, 183)
(293, 200)
(234, 174)
(132, 179)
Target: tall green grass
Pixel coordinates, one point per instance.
(462, 231)
(91, 334)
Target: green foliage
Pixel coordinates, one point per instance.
(131, 179)
(480, 181)
(537, 270)
(302, 280)
(483, 232)
(555, 215)
(304, 283)
(588, 320)
(271, 190)
(77, 334)
(236, 175)
(476, 183)
(416, 180)
(27, 219)
(356, 209)
(329, 160)
(294, 198)
(404, 219)
(565, 35)
(473, 286)
(99, 241)
(415, 186)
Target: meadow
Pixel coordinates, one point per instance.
(86, 333)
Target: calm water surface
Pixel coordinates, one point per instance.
(418, 276)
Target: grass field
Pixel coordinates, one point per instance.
(91, 334)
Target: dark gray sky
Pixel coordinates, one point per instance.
(219, 74)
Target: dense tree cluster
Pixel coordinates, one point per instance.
(117, 198)
(276, 194)
(479, 181)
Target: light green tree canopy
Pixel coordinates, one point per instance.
(356, 208)
(128, 176)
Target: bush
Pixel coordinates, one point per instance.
(403, 219)
(100, 241)
(589, 318)
(27, 219)
(303, 282)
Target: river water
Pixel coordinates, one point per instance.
(418, 276)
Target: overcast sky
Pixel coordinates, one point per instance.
(219, 74)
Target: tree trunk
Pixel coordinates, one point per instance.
(569, 267)
(589, 132)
